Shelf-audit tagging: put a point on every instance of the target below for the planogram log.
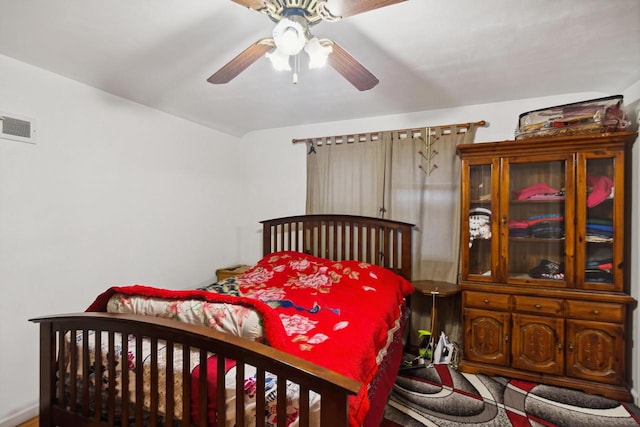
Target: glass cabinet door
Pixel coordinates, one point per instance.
(479, 231)
(533, 219)
(600, 219)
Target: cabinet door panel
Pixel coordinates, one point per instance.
(536, 206)
(478, 229)
(595, 351)
(487, 336)
(600, 221)
(538, 344)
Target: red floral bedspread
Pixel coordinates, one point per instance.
(336, 314)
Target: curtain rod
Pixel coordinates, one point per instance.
(480, 123)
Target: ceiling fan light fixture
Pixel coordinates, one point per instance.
(279, 59)
(318, 52)
(290, 35)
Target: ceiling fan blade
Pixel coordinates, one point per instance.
(351, 69)
(240, 63)
(344, 8)
(251, 4)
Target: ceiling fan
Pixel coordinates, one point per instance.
(291, 35)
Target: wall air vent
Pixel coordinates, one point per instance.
(17, 128)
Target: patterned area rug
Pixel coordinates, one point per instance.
(442, 396)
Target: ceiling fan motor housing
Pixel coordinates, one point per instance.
(308, 9)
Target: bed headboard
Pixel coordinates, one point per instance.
(343, 237)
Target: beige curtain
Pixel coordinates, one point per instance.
(408, 175)
(425, 190)
(347, 175)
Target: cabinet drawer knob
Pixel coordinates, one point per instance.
(596, 312)
(486, 301)
(538, 306)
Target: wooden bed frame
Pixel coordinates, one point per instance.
(338, 237)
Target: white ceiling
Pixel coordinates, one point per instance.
(428, 54)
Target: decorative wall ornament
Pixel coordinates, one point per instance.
(429, 153)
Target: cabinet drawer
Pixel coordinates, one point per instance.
(603, 311)
(486, 300)
(536, 305)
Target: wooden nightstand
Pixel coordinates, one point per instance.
(225, 273)
(437, 289)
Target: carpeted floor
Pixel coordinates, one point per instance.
(442, 396)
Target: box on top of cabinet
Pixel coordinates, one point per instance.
(592, 116)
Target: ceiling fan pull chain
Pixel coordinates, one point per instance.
(296, 68)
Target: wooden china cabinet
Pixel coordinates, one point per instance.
(545, 260)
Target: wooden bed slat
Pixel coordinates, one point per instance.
(153, 420)
(124, 380)
(85, 373)
(304, 406)
(169, 402)
(240, 415)
(139, 390)
(260, 397)
(98, 376)
(281, 402)
(61, 358)
(186, 383)
(111, 406)
(202, 387)
(73, 353)
(361, 254)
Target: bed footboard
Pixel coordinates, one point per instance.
(79, 386)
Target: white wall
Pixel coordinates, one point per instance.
(113, 193)
(279, 167)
